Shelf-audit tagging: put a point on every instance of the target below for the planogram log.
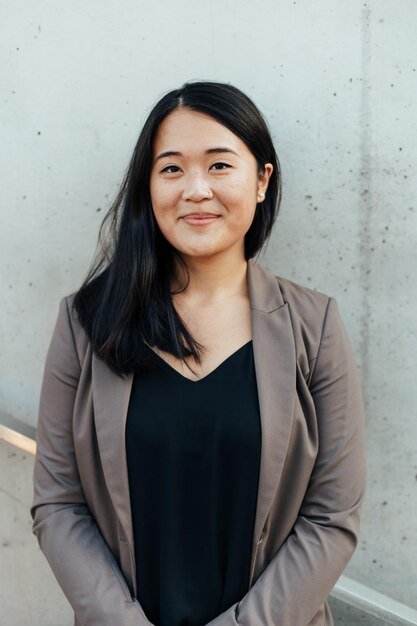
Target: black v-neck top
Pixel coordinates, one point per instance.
(193, 454)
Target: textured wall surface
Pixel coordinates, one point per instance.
(337, 82)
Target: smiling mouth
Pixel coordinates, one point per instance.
(200, 219)
(201, 215)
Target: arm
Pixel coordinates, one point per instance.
(301, 575)
(67, 534)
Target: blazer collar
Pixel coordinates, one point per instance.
(264, 292)
(275, 365)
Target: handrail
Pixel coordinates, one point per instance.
(346, 590)
(373, 603)
(17, 439)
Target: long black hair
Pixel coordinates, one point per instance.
(125, 300)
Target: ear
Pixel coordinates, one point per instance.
(263, 180)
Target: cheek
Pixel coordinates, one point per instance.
(241, 201)
(239, 219)
(243, 188)
(161, 191)
(164, 220)
(160, 197)
(163, 206)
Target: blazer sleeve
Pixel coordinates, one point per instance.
(297, 581)
(81, 561)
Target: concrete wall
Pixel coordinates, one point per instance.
(337, 82)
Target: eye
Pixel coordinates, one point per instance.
(171, 169)
(220, 166)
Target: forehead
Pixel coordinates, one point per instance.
(186, 130)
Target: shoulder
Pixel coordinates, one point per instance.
(68, 316)
(313, 313)
(316, 320)
(270, 291)
(68, 300)
(302, 298)
(306, 308)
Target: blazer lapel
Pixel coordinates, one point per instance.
(111, 396)
(275, 365)
(274, 355)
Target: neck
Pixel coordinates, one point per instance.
(212, 280)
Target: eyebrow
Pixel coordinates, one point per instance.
(218, 150)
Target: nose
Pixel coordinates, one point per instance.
(196, 188)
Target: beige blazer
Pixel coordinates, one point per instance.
(312, 473)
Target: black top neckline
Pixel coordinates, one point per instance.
(174, 372)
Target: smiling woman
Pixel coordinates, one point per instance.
(209, 177)
(200, 454)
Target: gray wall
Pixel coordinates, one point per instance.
(337, 82)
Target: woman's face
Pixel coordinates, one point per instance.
(201, 168)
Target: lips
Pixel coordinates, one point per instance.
(200, 219)
(201, 215)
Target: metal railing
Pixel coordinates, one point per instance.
(346, 590)
(373, 603)
(18, 439)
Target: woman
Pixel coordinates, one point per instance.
(200, 449)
